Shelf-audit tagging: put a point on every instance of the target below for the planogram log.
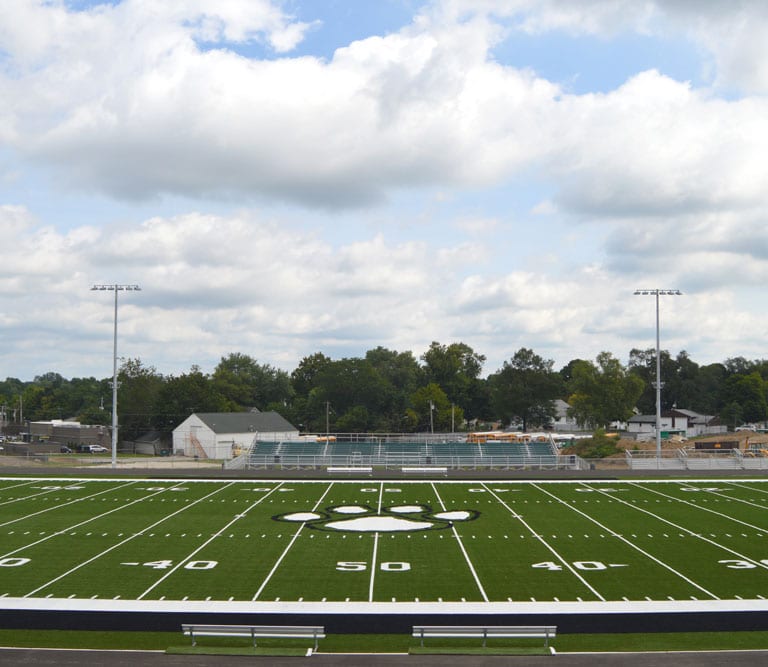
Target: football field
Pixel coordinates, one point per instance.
(89, 541)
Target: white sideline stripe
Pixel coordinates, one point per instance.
(375, 545)
(290, 544)
(634, 546)
(61, 531)
(547, 545)
(56, 507)
(127, 539)
(687, 530)
(711, 511)
(461, 545)
(209, 540)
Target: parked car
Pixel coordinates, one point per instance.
(65, 450)
(97, 449)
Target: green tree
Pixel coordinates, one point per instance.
(745, 398)
(402, 375)
(525, 389)
(304, 376)
(432, 398)
(642, 364)
(456, 368)
(138, 398)
(181, 396)
(347, 384)
(603, 392)
(245, 383)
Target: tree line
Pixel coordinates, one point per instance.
(390, 391)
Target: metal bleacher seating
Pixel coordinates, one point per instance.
(355, 450)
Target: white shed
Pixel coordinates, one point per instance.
(224, 435)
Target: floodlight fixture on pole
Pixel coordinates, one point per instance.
(115, 288)
(657, 293)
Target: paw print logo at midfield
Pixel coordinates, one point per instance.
(365, 519)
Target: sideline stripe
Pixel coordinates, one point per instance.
(634, 546)
(568, 566)
(71, 502)
(218, 533)
(375, 546)
(290, 544)
(128, 539)
(692, 533)
(461, 545)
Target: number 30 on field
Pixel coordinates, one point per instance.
(360, 566)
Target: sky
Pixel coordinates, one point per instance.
(289, 177)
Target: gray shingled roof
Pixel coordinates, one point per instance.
(243, 422)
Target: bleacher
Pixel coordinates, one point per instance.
(353, 449)
(389, 451)
(301, 448)
(404, 448)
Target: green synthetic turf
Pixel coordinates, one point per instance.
(180, 540)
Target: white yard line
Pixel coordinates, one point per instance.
(707, 509)
(218, 533)
(61, 531)
(288, 548)
(683, 528)
(461, 546)
(375, 546)
(546, 544)
(127, 539)
(71, 502)
(631, 544)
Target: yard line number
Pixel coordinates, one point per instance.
(587, 565)
(361, 566)
(166, 564)
(742, 564)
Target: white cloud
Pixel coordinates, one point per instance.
(425, 106)
(145, 99)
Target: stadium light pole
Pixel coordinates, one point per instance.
(115, 288)
(657, 293)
